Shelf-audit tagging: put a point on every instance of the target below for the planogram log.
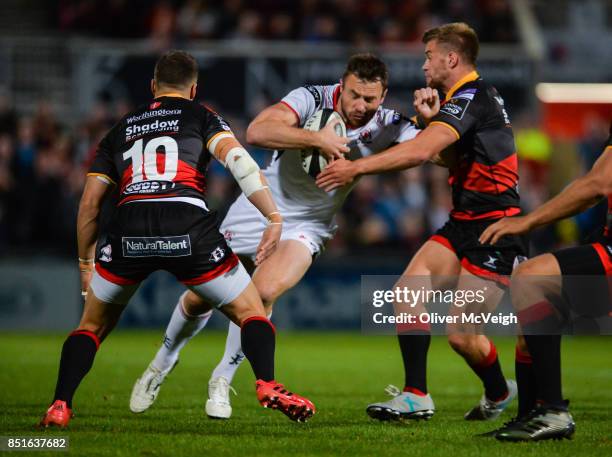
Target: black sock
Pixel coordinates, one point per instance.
(414, 347)
(526, 382)
(545, 351)
(490, 373)
(541, 326)
(258, 343)
(77, 358)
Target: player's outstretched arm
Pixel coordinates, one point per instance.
(277, 127)
(94, 193)
(254, 186)
(408, 154)
(580, 195)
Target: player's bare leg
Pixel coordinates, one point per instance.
(479, 351)
(78, 353)
(279, 273)
(258, 343)
(441, 266)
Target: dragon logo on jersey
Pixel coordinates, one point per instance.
(217, 254)
(105, 253)
(154, 105)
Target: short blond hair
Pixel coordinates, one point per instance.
(458, 37)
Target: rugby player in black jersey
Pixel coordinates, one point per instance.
(157, 157)
(483, 176)
(546, 289)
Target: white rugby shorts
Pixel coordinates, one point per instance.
(244, 225)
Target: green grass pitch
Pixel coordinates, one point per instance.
(340, 372)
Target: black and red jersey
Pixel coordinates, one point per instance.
(160, 151)
(485, 180)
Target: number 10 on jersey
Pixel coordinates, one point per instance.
(144, 162)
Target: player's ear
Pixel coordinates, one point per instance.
(452, 59)
(153, 87)
(384, 94)
(192, 90)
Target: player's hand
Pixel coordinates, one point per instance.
(426, 102)
(269, 242)
(506, 226)
(330, 144)
(337, 174)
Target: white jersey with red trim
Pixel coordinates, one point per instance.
(295, 192)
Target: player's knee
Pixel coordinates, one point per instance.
(193, 304)
(461, 343)
(269, 291)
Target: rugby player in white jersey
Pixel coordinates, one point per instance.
(308, 212)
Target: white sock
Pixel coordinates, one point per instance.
(233, 355)
(181, 328)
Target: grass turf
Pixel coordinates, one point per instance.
(340, 372)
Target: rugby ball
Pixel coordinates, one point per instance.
(313, 162)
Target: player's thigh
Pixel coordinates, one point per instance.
(196, 305)
(282, 270)
(535, 280)
(434, 265)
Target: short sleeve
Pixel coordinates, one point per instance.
(459, 113)
(407, 130)
(103, 165)
(304, 101)
(215, 127)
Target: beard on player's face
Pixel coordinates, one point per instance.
(358, 112)
(436, 77)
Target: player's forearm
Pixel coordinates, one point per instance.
(399, 157)
(263, 201)
(276, 135)
(87, 231)
(575, 198)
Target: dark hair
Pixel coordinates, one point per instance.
(176, 69)
(458, 37)
(367, 67)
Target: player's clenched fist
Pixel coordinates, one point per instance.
(426, 102)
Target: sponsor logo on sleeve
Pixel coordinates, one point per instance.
(156, 246)
(315, 94)
(455, 107)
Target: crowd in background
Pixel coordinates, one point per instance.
(364, 22)
(43, 165)
(43, 160)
